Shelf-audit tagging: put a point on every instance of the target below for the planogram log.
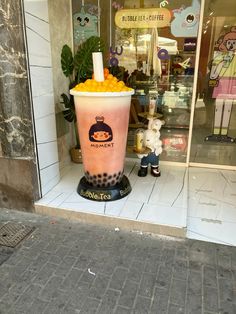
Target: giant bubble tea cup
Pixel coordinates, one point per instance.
(102, 110)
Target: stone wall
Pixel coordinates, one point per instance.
(18, 176)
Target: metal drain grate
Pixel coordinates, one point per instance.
(13, 233)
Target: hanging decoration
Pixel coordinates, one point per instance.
(116, 5)
(163, 3)
(163, 54)
(113, 60)
(185, 64)
(85, 25)
(186, 21)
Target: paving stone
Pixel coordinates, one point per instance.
(178, 292)
(41, 260)
(181, 254)
(168, 256)
(227, 308)
(176, 309)
(109, 302)
(78, 296)
(83, 260)
(142, 305)
(38, 306)
(27, 298)
(128, 294)
(57, 304)
(6, 254)
(201, 257)
(147, 285)
(118, 278)
(125, 259)
(77, 248)
(50, 290)
(5, 284)
(224, 273)
(87, 277)
(10, 298)
(195, 283)
(45, 273)
(152, 264)
(28, 275)
(133, 273)
(55, 259)
(90, 306)
(65, 266)
(210, 298)
(180, 269)
(4, 308)
(164, 277)
(70, 309)
(226, 290)
(160, 301)
(210, 276)
(194, 303)
(71, 280)
(224, 260)
(99, 285)
(18, 287)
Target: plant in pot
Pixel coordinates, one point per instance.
(77, 68)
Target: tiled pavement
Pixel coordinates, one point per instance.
(70, 267)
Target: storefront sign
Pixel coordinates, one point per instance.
(143, 18)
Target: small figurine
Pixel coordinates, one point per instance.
(151, 148)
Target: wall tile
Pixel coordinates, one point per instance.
(41, 80)
(37, 8)
(43, 106)
(50, 176)
(47, 154)
(46, 129)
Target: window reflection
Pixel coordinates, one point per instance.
(214, 128)
(159, 64)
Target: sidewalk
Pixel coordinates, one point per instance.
(70, 267)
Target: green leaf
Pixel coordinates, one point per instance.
(69, 115)
(83, 61)
(65, 100)
(67, 61)
(69, 112)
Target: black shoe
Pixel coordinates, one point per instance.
(155, 171)
(142, 171)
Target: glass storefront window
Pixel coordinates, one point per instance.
(214, 125)
(158, 62)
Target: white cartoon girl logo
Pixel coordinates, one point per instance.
(223, 79)
(100, 131)
(223, 58)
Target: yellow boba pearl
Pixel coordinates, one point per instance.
(121, 83)
(110, 76)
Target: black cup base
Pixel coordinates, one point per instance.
(112, 193)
